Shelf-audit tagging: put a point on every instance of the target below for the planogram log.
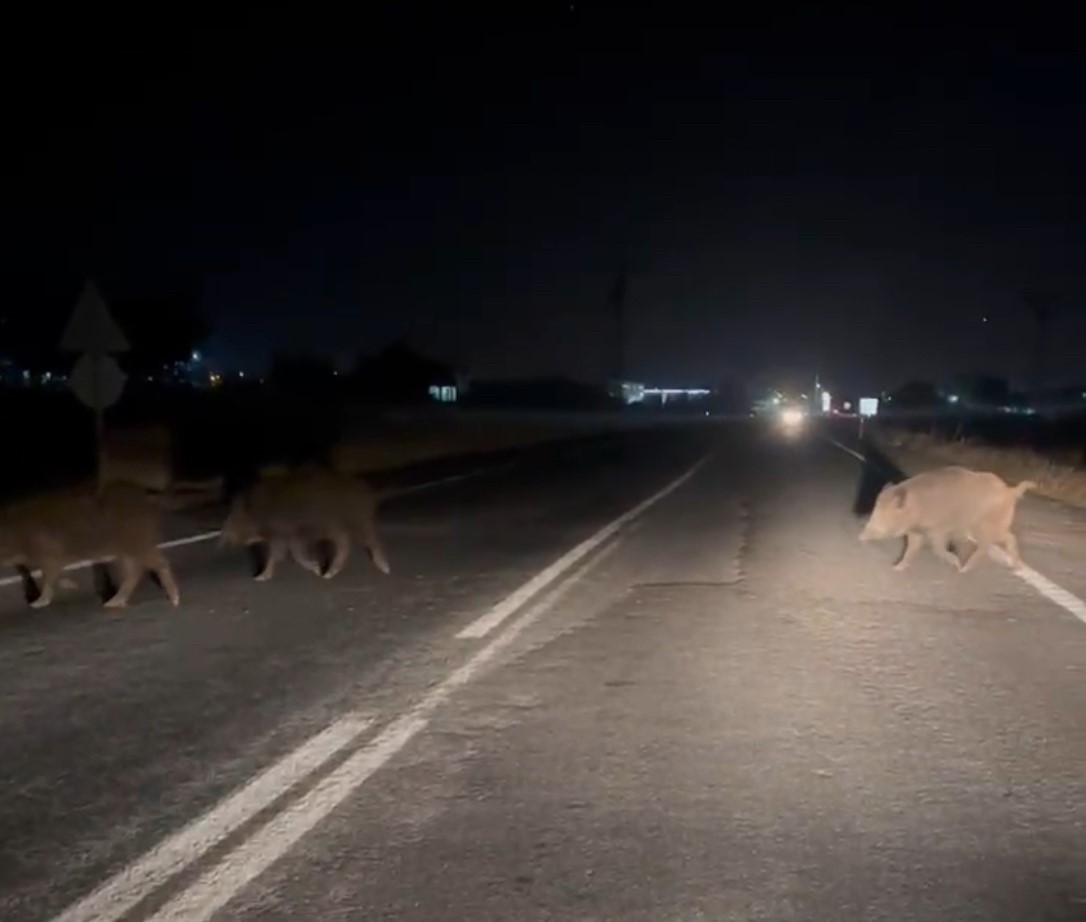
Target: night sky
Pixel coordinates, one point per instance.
(845, 196)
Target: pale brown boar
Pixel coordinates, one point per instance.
(291, 511)
(120, 524)
(951, 502)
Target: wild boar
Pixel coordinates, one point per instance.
(120, 523)
(293, 510)
(951, 502)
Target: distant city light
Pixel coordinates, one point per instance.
(195, 356)
(953, 398)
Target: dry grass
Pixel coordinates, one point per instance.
(138, 455)
(1059, 479)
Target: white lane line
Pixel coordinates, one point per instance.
(212, 535)
(486, 623)
(452, 478)
(1052, 591)
(222, 882)
(846, 449)
(192, 539)
(138, 880)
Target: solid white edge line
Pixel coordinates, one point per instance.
(1052, 591)
(249, 859)
(120, 893)
(212, 535)
(483, 625)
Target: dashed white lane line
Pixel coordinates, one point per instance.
(848, 451)
(223, 881)
(1050, 590)
(118, 895)
(1055, 593)
(213, 534)
(486, 623)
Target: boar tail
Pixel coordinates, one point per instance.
(1022, 487)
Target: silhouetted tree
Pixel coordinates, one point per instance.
(301, 374)
(399, 374)
(987, 390)
(916, 395)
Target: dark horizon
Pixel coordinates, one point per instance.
(475, 182)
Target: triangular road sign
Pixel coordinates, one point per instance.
(92, 327)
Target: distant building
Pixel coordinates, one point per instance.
(401, 375)
(634, 392)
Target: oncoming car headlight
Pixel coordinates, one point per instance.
(792, 416)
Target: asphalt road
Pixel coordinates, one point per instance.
(726, 708)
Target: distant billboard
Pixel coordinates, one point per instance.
(827, 401)
(869, 406)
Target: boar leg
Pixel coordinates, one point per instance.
(939, 545)
(342, 543)
(1010, 544)
(160, 566)
(299, 550)
(130, 577)
(373, 545)
(913, 543)
(277, 550)
(50, 573)
(983, 543)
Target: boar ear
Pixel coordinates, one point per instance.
(898, 495)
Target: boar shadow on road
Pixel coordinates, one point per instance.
(875, 473)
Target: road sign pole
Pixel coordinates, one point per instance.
(99, 419)
(95, 378)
